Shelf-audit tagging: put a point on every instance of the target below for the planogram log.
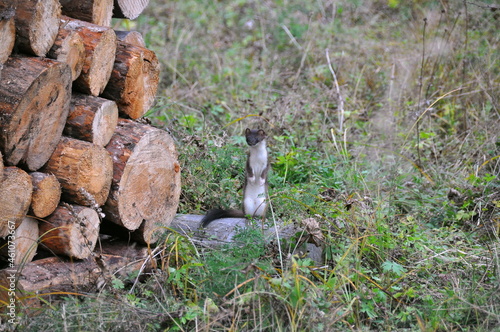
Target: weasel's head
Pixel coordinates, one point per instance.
(254, 136)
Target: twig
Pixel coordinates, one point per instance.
(276, 231)
(341, 100)
(391, 86)
(464, 61)
(486, 6)
(420, 83)
(292, 38)
(143, 266)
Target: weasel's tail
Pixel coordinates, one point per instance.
(218, 214)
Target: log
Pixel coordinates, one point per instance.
(146, 176)
(122, 248)
(22, 246)
(134, 80)
(37, 23)
(130, 9)
(100, 49)
(84, 170)
(150, 231)
(94, 11)
(7, 9)
(60, 274)
(46, 194)
(91, 119)
(34, 104)
(15, 198)
(68, 47)
(131, 37)
(72, 230)
(7, 30)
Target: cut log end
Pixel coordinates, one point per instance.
(151, 230)
(71, 230)
(68, 47)
(104, 123)
(15, 198)
(130, 9)
(7, 38)
(34, 106)
(100, 50)
(146, 178)
(37, 25)
(134, 80)
(84, 170)
(92, 119)
(46, 194)
(25, 242)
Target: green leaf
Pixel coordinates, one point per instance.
(393, 3)
(389, 266)
(117, 284)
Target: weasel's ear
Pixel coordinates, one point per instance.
(262, 132)
(247, 131)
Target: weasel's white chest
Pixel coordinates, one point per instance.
(258, 163)
(254, 202)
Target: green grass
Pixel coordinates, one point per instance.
(420, 117)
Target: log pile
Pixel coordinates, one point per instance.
(73, 160)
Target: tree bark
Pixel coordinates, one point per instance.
(130, 9)
(100, 50)
(131, 37)
(72, 230)
(15, 198)
(146, 176)
(34, 104)
(134, 80)
(7, 30)
(68, 47)
(91, 119)
(84, 170)
(94, 11)
(37, 23)
(46, 194)
(23, 244)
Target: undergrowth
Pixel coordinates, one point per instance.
(383, 121)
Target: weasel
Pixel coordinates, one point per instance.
(255, 188)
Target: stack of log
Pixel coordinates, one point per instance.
(73, 154)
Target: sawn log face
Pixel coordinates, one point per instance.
(34, 104)
(84, 170)
(146, 176)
